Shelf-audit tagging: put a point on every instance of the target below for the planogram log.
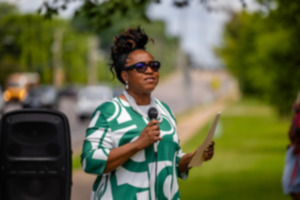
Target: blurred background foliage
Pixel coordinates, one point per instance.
(261, 49)
(29, 45)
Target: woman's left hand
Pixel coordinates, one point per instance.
(209, 152)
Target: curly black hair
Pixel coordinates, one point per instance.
(124, 44)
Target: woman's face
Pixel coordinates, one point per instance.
(140, 83)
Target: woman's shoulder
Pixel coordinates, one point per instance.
(162, 103)
(108, 107)
(164, 106)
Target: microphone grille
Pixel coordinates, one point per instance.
(152, 113)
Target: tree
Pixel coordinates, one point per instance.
(27, 46)
(7, 9)
(101, 14)
(262, 50)
(29, 43)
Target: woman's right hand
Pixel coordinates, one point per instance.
(120, 155)
(149, 135)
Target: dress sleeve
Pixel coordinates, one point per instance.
(98, 141)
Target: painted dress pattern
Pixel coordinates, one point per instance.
(115, 123)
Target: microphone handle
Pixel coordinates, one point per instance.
(155, 144)
(155, 147)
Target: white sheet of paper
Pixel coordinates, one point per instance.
(197, 159)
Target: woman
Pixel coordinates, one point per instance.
(121, 140)
(291, 174)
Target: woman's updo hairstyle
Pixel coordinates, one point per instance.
(124, 44)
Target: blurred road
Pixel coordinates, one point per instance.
(204, 88)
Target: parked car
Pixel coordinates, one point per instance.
(89, 98)
(17, 86)
(69, 91)
(42, 96)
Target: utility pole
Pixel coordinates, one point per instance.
(58, 73)
(182, 62)
(93, 54)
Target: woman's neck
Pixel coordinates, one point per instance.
(140, 98)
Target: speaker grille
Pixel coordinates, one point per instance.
(35, 136)
(35, 156)
(37, 188)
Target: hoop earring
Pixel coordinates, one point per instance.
(126, 85)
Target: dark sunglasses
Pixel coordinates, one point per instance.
(141, 67)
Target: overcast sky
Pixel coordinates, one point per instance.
(200, 30)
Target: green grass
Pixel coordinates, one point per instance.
(76, 161)
(249, 156)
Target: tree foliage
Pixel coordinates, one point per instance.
(102, 14)
(28, 46)
(99, 14)
(262, 50)
(7, 9)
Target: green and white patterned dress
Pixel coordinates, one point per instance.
(115, 123)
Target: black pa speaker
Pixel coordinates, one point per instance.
(35, 156)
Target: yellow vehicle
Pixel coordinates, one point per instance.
(17, 86)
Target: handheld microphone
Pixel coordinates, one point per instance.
(152, 114)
